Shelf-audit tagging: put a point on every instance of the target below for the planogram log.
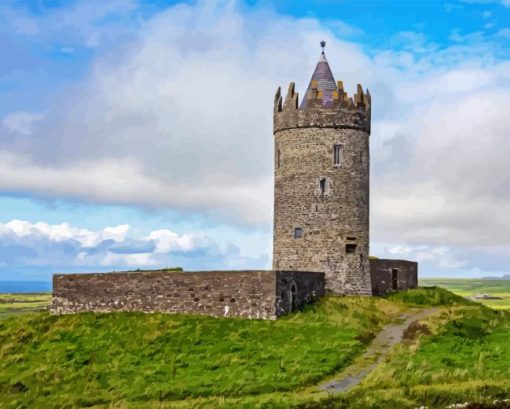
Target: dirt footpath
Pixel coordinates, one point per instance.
(378, 349)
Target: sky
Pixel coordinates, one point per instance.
(138, 134)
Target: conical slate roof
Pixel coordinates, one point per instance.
(325, 82)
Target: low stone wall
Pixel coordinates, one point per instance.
(393, 275)
(247, 294)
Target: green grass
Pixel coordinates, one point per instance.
(134, 360)
(469, 287)
(429, 297)
(87, 359)
(15, 304)
(465, 358)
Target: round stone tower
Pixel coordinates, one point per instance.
(321, 196)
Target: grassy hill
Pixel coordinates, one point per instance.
(132, 360)
(461, 355)
(469, 287)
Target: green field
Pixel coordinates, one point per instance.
(469, 287)
(15, 304)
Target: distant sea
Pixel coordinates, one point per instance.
(25, 286)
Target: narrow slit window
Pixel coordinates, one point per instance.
(337, 156)
(394, 278)
(278, 159)
(322, 185)
(350, 248)
(298, 233)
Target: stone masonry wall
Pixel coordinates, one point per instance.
(248, 294)
(294, 289)
(329, 202)
(383, 280)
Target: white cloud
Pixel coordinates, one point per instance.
(69, 248)
(166, 241)
(84, 23)
(431, 258)
(124, 181)
(504, 32)
(453, 188)
(62, 232)
(22, 122)
(180, 117)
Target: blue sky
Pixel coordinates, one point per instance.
(137, 134)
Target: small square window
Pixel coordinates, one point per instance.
(298, 233)
(337, 155)
(350, 248)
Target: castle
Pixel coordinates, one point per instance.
(322, 182)
(321, 225)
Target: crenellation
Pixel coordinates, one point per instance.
(278, 101)
(345, 111)
(291, 100)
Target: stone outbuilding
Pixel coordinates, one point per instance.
(393, 275)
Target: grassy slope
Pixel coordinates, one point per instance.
(469, 287)
(462, 355)
(129, 359)
(132, 357)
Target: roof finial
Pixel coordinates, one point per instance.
(323, 44)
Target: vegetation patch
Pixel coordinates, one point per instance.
(134, 360)
(464, 359)
(414, 330)
(429, 297)
(88, 359)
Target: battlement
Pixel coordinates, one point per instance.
(333, 109)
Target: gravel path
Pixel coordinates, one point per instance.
(379, 348)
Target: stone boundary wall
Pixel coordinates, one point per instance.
(393, 275)
(247, 294)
